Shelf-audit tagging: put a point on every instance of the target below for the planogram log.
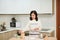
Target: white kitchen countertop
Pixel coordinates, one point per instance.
(11, 29)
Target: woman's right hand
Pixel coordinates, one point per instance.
(36, 29)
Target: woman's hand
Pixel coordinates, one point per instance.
(36, 29)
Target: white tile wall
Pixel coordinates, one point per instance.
(47, 21)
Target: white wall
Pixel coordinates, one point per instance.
(48, 21)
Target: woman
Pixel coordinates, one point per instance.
(34, 24)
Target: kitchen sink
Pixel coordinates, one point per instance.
(45, 29)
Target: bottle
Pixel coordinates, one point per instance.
(41, 36)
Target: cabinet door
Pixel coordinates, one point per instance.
(12, 33)
(1, 36)
(5, 36)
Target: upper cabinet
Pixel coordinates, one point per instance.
(25, 6)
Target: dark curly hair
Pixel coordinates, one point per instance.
(35, 15)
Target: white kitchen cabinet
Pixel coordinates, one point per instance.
(24, 7)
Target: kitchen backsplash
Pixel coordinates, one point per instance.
(47, 21)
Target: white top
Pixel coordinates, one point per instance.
(33, 24)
